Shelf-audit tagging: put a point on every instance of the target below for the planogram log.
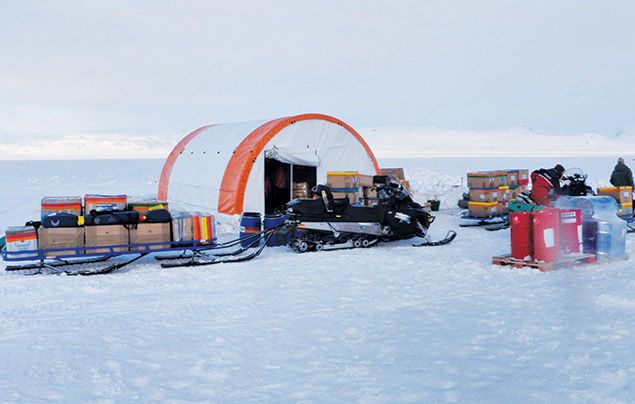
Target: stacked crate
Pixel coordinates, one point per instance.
(397, 175)
(518, 181)
(344, 184)
(353, 185)
(488, 193)
(624, 198)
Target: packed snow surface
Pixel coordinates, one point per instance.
(386, 324)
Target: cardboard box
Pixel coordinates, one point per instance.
(61, 204)
(69, 238)
(523, 177)
(620, 194)
(625, 209)
(342, 179)
(512, 178)
(106, 236)
(104, 202)
(483, 209)
(365, 180)
(486, 179)
(484, 195)
(370, 196)
(301, 190)
(21, 238)
(504, 193)
(503, 207)
(396, 174)
(146, 233)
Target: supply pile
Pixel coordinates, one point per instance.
(578, 230)
(106, 224)
(490, 191)
(360, 188)
(624, 198)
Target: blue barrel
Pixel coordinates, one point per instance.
(250, 224)
(270, 222)
(590, 236)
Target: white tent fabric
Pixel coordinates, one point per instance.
(198, 171)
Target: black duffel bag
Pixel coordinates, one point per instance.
(158, 216)
(60, 220)
(111, 217)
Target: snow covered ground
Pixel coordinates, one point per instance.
(387, 324)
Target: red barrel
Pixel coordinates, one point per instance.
(546, 235)
(521, 237)
(570, 231)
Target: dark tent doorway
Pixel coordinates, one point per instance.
(284, 182)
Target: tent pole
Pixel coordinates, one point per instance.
(291, 183)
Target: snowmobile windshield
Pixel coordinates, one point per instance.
(574, 172)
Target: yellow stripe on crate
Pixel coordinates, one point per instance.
(627, 205)
(342, 173)
(487, 204)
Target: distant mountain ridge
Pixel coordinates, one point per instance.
(385, 142)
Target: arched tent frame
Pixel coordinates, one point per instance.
(242, 163)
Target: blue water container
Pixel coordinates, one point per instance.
(250, 224)
(270, 222)
(611, 240)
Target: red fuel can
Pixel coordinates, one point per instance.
(546, 235)
(570, 231)
(521, 235)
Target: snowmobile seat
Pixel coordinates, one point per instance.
(336, 205)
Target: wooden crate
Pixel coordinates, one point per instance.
(545, 266)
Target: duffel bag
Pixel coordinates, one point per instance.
(60, 220)
(124, 217)
(158, 216)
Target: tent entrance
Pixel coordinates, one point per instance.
(284, 182)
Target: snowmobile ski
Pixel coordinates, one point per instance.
(449, 237)
(497, 226)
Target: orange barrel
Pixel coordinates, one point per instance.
(521, 237)
(571, 231)
(546, 235)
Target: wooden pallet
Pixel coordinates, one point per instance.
(545, 266)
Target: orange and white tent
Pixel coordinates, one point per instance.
(222, 168)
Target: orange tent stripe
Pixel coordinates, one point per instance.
(232, 190)
(164, 181)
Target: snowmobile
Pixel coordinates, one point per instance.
(575, 183)
(327, 223)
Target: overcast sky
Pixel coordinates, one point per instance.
(168, 67)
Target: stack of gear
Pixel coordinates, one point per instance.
(518, 182)
(488, 193)
(105, 224)
(624, 198)
(354, 186)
